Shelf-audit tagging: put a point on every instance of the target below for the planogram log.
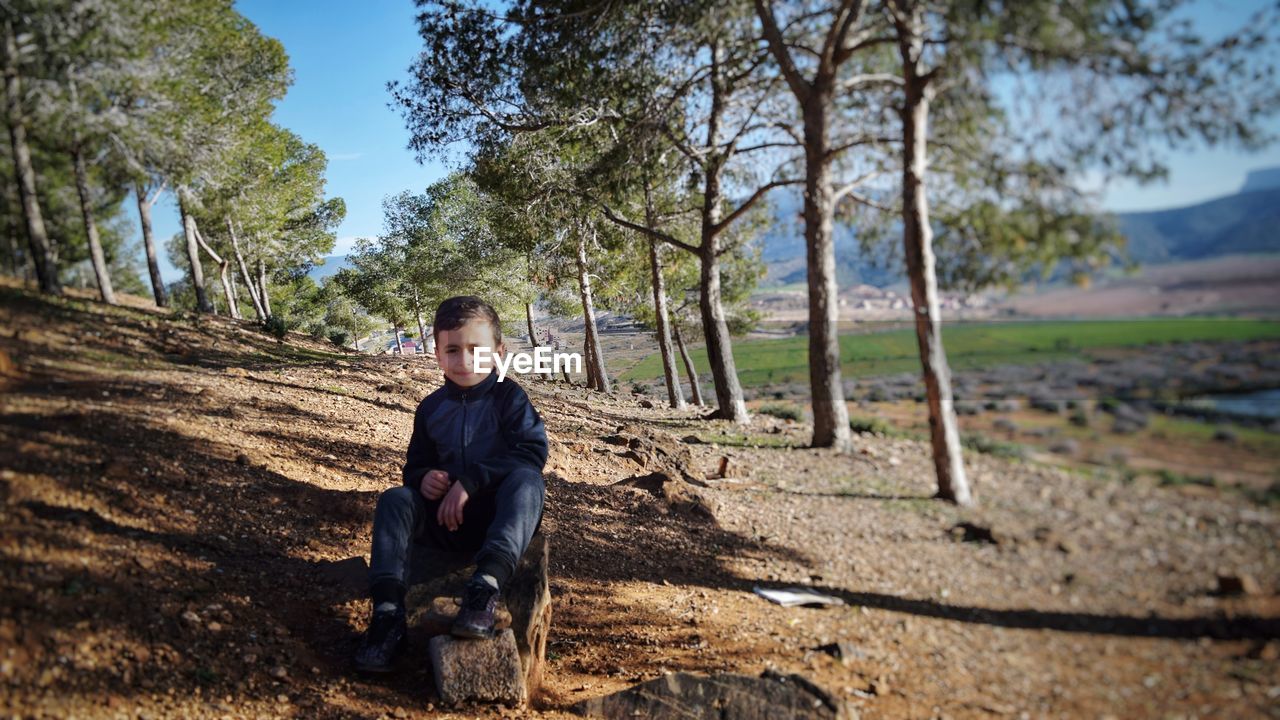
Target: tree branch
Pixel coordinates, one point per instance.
(746, 205)
(650, 232)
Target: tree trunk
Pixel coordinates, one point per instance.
(422, 331)
(149, 243)
(96, 255)
(396, 330)
(193, 254)
(724, 371)
(533, 333)
(830, 414)
(37, 235)
(224, 265)
(917, 239)
(694, 389)
(596, 362)
(265, 297)
(244, 272)
(675, 396)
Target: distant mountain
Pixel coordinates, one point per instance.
(332, 264)
(1240, 224)
(1245, 223)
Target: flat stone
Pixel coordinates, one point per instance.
(740, 697)
(478, 670)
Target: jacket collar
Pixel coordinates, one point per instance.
(455, 391)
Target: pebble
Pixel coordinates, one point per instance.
(279, 672)
(191, 618)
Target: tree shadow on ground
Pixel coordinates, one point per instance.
(1236, 627)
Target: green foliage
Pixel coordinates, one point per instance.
(990, 446)
(782, 411)
(1172, 478)
(277, 326)
(869, 426)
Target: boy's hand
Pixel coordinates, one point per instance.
(450, 512)
(434, 484)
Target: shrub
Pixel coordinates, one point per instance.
(990, 446)
(338, 337)
(782, 411)
(276, 326)
(867, 426)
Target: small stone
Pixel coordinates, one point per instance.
(282, 699)
(214, 627)
(1236, 584)
(191, 618)
(242, 459)
(279, 672)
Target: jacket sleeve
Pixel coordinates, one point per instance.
(526, 441)
(422, 455)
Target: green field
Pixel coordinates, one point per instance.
(969, 346)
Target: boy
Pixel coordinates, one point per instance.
(472, 482)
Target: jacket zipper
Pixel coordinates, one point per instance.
(464, 433)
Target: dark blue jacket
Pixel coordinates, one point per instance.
(478, 435)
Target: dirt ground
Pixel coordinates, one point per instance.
(176, 495)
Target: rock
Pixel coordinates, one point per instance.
(1236, 584)
(1066, 446)
(741, 697)
(480, 670)
(844, 651)
(440, 615)
(691, 440)
(646, 404)
(191, 618)
(279, 672)
(1226, 435)
(528, 596)
(975, 533)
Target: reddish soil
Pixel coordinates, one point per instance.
(174, 493)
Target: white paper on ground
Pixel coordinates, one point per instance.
(794, 596)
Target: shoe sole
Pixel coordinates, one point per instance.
(471, 634)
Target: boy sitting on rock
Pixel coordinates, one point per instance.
(472, 482)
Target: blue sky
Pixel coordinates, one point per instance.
(343, 54)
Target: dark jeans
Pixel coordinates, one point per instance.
(498, 525)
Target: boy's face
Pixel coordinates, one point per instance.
(455, 351)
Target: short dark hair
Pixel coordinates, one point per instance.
(456, 311)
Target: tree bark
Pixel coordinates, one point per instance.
(694, 389)
(96, 255)
(422, 330)
(675, 396)
(193, 254)
(264, 296)
(596, 362)
(533, 334)
(149, 243)
(830, 414)
(917, 239)
(244, 273)
(37, 235)
(724, 371)
(224, 265)
(396, 330)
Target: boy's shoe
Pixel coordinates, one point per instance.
(387, 636)
(476, 615)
